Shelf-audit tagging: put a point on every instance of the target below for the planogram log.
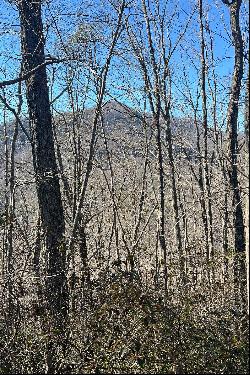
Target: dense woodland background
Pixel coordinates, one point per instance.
(124, 186)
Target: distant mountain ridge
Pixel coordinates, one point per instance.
(116, 117)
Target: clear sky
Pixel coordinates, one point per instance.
(66, 15)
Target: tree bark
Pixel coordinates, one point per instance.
(207, 184)
(44, 160)
(247, 182)
(240, 277)
(232, 120)
(156, 109)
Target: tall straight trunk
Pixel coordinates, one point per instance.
(200, 182)
(232, 122)
(247, 182)
(156, 109)
(169, 141)
(44, 160)
(205, 127)
(162, 234)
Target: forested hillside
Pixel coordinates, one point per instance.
(124, 190)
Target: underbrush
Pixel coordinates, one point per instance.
(119, 326)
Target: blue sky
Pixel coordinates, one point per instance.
(67, 14)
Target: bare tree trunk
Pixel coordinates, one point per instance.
(162, 236)
(232, 118)
(232, 122)
(205, 127)
(44, 161)
(156, 109)
(174, 193)
(247, 174)
(200, 182)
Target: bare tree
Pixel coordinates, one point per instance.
(232, 127)
(209, 220)
(45, 167)
(247, 174)
(232, 120)
(48, 189)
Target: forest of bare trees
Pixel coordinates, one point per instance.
(124, 191)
